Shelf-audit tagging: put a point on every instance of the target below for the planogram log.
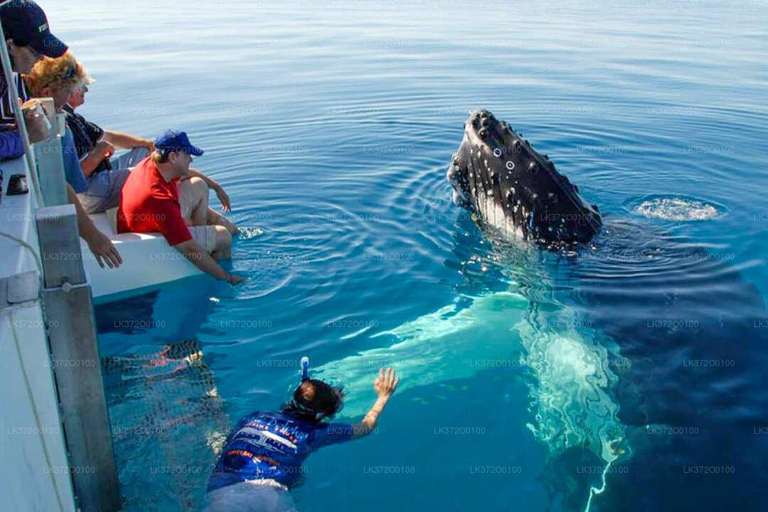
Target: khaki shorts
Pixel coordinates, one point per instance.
(205, 236)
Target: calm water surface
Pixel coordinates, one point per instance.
(531, 381)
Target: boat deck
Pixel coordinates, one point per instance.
(148, 261)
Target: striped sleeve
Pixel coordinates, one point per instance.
(6, 105)
(6, 101)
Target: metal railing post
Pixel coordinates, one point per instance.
(72, 339)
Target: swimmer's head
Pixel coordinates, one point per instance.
(314, 400)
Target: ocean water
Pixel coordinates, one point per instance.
(628, 376)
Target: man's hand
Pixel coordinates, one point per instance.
(103, 248)
(233, 279)
(149, 144)
(385, 383)
(99, 244)
(36, 129)
(223, 197)
(103, 149)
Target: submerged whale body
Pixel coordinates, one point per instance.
(507, 184)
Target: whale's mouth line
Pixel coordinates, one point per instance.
(498, 175)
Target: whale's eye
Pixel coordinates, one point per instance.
(483, 133)
(497, 152)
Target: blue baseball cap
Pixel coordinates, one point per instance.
(172, 140)
(25, 23)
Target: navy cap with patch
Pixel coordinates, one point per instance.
(25, 23)
(171, 140)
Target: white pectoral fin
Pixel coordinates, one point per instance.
(450, 343)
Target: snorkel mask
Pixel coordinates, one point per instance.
(307, 410)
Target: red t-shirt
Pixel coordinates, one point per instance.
(149, 204)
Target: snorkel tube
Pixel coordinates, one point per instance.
(331, 401)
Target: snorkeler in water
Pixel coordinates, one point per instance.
(262, 457)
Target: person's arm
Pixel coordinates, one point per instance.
(10, 139)
(384, 385)
(128, 141)
(99, 243)
(213, 185)
(202, 260)
(101, 151)
(10, 145)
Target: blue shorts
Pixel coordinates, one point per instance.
(104, 187)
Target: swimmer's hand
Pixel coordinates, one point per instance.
(386, 383)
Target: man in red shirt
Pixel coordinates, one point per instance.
(150, 202)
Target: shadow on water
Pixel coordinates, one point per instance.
(166, 414)
(692, 336)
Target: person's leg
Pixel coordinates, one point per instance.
(216, 219)
(91, 203)
(116, 181)
(129, 159)
(103, 191)
(193, 198)
(223, 250)
(247, 497)
(215, 240)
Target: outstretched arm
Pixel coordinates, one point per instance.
(127, 141)
(99, 243)
(213, 185)
(384, 385)
(202, 260)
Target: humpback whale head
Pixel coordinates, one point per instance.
(499, 177)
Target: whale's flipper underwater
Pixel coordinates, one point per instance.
(436, 347)
(569, 374)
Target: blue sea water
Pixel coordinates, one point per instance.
(633, 366)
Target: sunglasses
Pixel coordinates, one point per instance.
(70, 73)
